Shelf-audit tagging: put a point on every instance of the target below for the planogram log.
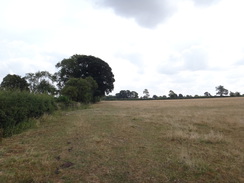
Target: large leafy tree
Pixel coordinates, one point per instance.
(14, 82)
(221, 90)
(82, 66)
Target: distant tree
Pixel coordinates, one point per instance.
(134, 94)
(172, 94)
(155, 97)
(41, 82)
(82, 66)
(14, 82)
(80, 90)
(127, 94)
(123, 94)
(232, 94)
(236, 94)
(207, 94)
(181, 96)
(146, 94)
(221, 90)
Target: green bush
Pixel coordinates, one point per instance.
(63, 102)
(16, 108)
(80, 90)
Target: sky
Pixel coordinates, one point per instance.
(188, 46)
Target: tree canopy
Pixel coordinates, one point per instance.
(82, 66)
(207, 94)
(14, 82)
(236, 94)
(172, 94)
(221, 90)
(41, 82)
(146, 94)
(127, 94)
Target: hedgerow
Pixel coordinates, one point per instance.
(17, 108)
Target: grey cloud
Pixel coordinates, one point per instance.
(147, 13)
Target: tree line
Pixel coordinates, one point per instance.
(79, 79)
(127, 94)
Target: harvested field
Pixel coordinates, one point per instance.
(197, 140)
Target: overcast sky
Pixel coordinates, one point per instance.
(188, 46)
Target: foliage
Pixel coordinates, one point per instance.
(221, 90)
(207, 94)
(14, 82)
(155, 97)
(40, 82)
(236, 94)
(63, 102)
(181, 96)
(172, 94)
(146, 94)
(126, 94)
(80, 90)
(18, 107)
(82, 66)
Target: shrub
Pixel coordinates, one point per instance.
(18, 107)
(81, 90)
(63, 102)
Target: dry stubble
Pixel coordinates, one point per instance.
(133, 141)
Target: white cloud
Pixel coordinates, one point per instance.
(205, 2)
(18, 57)
(32, 15)
(196, 49)
(195, 59)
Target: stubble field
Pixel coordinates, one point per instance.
(197, 140)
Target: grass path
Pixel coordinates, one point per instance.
(132, 141)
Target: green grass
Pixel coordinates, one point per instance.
(132, 141)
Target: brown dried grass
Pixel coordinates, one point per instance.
(198, 140)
